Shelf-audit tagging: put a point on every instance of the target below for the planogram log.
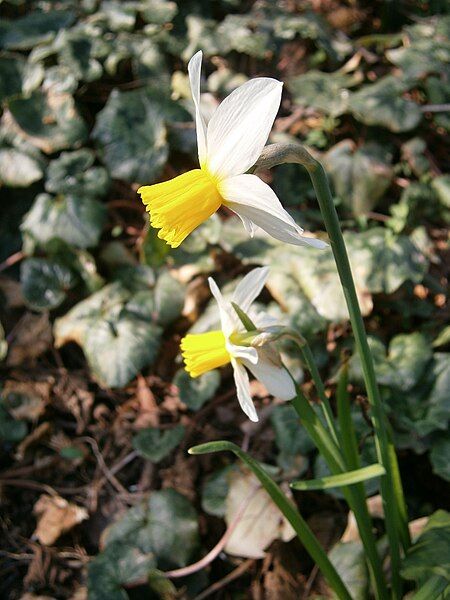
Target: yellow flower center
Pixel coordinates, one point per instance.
(203, 352)
(180, 205)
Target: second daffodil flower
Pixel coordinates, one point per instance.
(228, 145)
(203, 352)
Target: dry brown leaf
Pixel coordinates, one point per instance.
(71, 394)
(375, 506)
(12, 292)
(32, 337)
(55, 516)
(261, 523)
(181, 476)
(416, 527)
(26, 399)
(148, 408)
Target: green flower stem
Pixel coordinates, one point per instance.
(304, 533)
(391, 488)
(324, 402)
(354, 495)
(392, 500)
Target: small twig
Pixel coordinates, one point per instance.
(310, 582)
(32, 485)
(435, 108)
(101, 461)
(12, 260)
(215, 587)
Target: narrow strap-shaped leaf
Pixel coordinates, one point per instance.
(300, 526)
(349, 444)
(343, 479)
(244, 318)
(324, 402)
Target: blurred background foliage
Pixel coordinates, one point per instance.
(95, 100)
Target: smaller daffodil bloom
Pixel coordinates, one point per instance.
(229, 143)
(203, 352)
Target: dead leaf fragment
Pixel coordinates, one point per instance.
(32, 337)
(261, 522)
(26, 399)
(55, 516)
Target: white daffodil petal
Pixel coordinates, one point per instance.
(246, 353)
(250, 287)
(194, 69)
(240, 126)
(248, 196)
(276, 379)
(249, 226)
(243, 390)
(227, 318)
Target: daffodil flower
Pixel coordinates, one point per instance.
(203, 352)
(228, 145)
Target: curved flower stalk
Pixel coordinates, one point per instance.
(244, 349)
(228, 145)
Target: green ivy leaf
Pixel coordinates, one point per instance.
(327, 92)
(73, 173)
(11, 74)
(429, 555)
(381, 103)
(154, 445)
(11, 430)
(18, 169)
(119, 563)
(34, 28)
(131, 136)
(166, 526)
(75, 51)
(49, 121)
(169, 298)
(215, 491)
(117, 339)
(361, 175)
(440, 456)
(45, 283)
(293, 443)
(195, 392)
(77, 220)
(422, 57)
